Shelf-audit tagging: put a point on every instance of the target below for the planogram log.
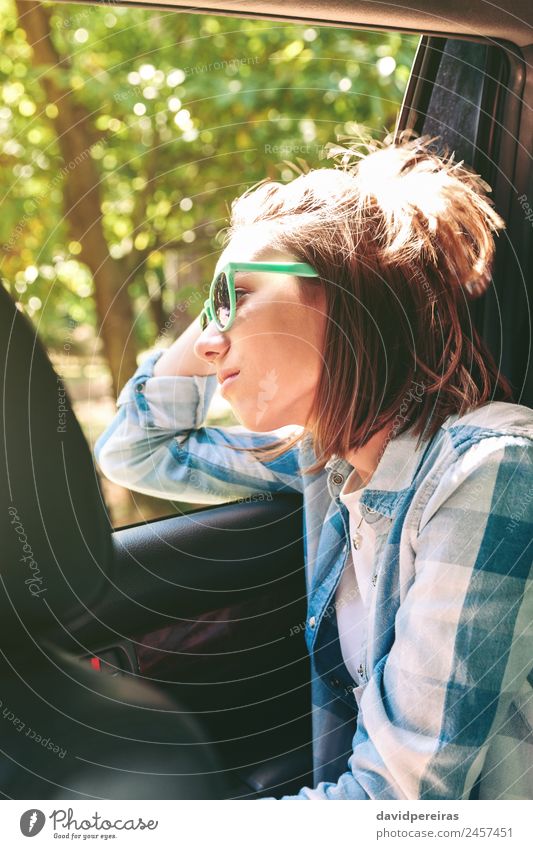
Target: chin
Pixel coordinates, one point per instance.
(256, 421)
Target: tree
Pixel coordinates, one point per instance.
(82, 193)
(125, 134)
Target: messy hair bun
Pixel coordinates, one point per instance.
(431, 208)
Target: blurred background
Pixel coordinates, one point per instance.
(124, 136)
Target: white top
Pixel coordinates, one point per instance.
(353, 591)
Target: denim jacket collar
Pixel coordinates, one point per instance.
(391, 479)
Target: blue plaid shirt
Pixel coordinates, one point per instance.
(442, 708)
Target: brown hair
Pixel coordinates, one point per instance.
(401, 238)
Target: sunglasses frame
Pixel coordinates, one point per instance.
(208, 314)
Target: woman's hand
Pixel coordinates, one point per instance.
(180, 360)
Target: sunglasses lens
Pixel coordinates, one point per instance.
(204, 321)
(221, 300)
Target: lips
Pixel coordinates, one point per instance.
(223, 376)
(228, 382)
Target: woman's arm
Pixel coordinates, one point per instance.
(156, 443)
(180, 359)
(463, 644)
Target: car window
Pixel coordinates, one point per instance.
(125, 135)
(454, 108)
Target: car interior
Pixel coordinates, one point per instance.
(165, 659)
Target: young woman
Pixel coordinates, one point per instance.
(339, 306)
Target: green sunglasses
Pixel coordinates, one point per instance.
(221, 304)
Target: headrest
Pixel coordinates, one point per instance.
(56, 536)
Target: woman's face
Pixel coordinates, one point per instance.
(275, 343)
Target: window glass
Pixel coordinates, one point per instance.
(125, 135)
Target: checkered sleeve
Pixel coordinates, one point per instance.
(157, 444)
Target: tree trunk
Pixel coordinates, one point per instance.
(82, 198)
(157, 310)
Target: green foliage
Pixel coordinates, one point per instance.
(187, 112)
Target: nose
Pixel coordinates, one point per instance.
(211, 344)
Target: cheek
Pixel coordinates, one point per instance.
(279, 350)
(284, 351)
(302, 346)
(276, 388)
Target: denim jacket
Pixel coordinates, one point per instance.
(442, 707)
